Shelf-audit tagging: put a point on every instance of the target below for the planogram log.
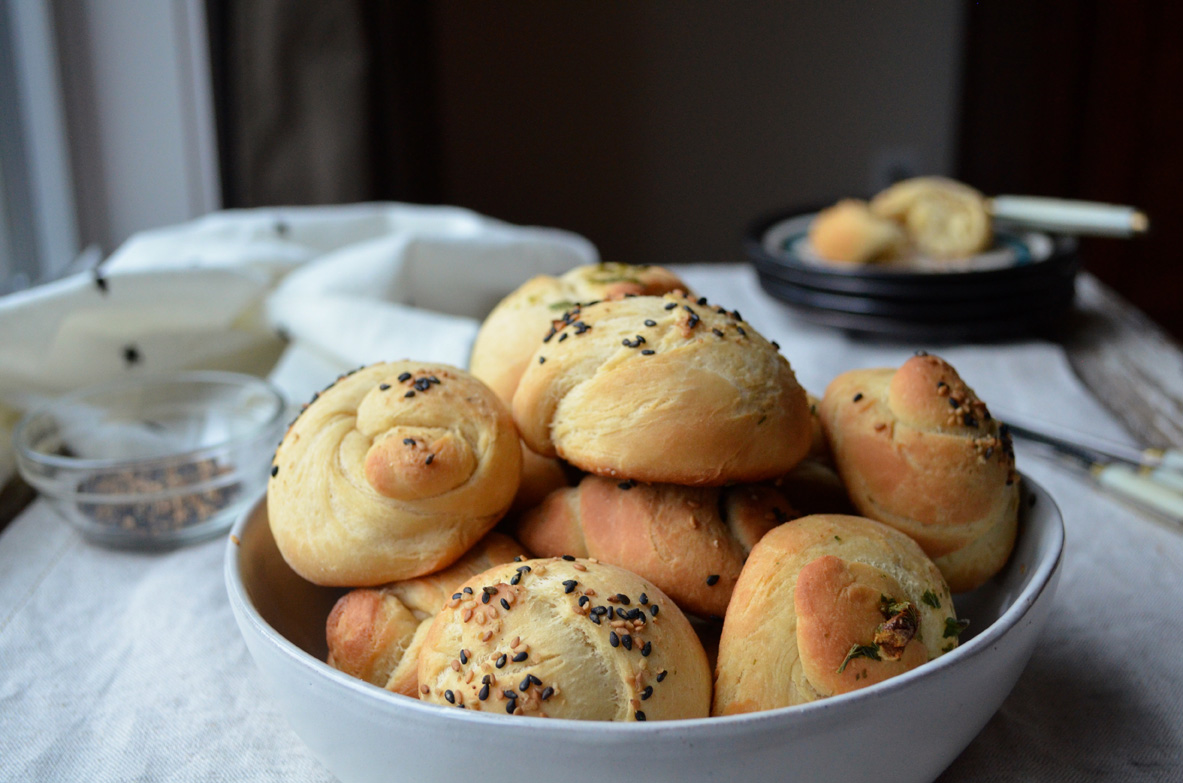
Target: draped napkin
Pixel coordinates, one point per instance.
(302, 293)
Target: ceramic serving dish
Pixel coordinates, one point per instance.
(905, 729)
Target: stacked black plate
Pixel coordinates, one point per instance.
(1024, 283)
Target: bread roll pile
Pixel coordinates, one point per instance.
(686, 495)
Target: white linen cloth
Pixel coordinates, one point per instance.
(119, 666)
(347, 285)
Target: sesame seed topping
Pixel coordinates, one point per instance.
(650, 322)
(542, 360)
(858, 396)
(505, 604)
(464, 656)
(648, 352)
(411, 393)
(525, 684)
(484, 598)
(274, 470)
(627, 641)
(456, 596)
(383, 386)
(776, 345)
(653, 610)
(661, 675)
(648, 648)
(516, 578)
(430, 459)
(451, 697)
(547, 692)
(718, 332)
(644, 599)
(424, 689)
(595, 618)
(483, 693)
(701, 300)
(404, 377)
(523, 655)
(743, 333)
(671, 305)
(624, 599)
(645, 694)
(569, 558)
(640, 715)
(712, 580)
(467, 591)
(569, 585)
(627, 484)
(510, 706)
(579, 566)
(501, 659)
(455, 665)
(613, 639)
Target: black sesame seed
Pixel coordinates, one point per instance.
(409, 441)
(743, 333)
(645, 694)
(595, 618)
(621, 613)
(624, 599)
(563, 336)
(404, 377)
(712, 580)
(464, 656)
(467, 590)
(644, 598)
(500, 661)
(584, 600)
(486, 679)
(640, 715)
(635, 614)
(653, 610)
(433, 379)
(430, 459)
(969, 420)
(776, 345)
(858, 396)
(510, 706)
(457, 596)
(627, 641)
(275, 470)
(484, 692)
(569, 558)
(451, 697)
(718, 332)
(383, 386)
(661, 675)
(569, 586)
(629, 484)
(650, 322)
(524, 685)
(671, 305)
(953, 403)
(648, 648)
(547, 692)
(534, 679)
(516, 578)
(542, 360)
(613, 639)
(505, 604)
(598, 610)
(648, 352)
(484, 598)
(523, 655)
(411, 393)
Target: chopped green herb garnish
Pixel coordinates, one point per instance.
(860, 651)
(955, 627)
(931, 599)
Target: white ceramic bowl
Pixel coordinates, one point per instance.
(905, 729)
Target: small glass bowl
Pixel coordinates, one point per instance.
(154, 462)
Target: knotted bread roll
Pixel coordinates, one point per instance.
(511, 332)
(663, 389)
(375, 634)
(943, 217)
(689, 541)
(391, 473)
(850, 232)
(565, 639)
(919, 451)
(828, 604)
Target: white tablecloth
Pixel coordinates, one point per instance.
(118, 666)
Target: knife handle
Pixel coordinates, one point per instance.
(1070, 217)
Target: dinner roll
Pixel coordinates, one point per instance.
(919, 451)
(850, 232)
(565, 639)
(689, 541)
(828, 604)
(512, 331)
(942, 217)
(375, 633)
(663, 389)
(392, 472)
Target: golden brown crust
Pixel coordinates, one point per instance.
(568, 639)
(851, 233)
(943, 217)
(375, 633)
(812, 593)
(511, 332)
(663, 389)
(391, 473)
(919, 451)
(689, 541)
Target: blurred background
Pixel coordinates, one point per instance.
(658, 130)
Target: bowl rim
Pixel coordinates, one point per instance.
(689, 728)
(25, 451)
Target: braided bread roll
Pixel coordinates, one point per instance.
(689, 541)
(392, 472)
(663, 389)
(944, 218)
(375, 634)
(850, 232)
(510, 333)
(565, 639)
(828, 604)
(919, 451)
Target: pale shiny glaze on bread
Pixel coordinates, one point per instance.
(565, 639)
(919, 451)
(689, 541)
(828, 604)
(391, 473)
(663, 389)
